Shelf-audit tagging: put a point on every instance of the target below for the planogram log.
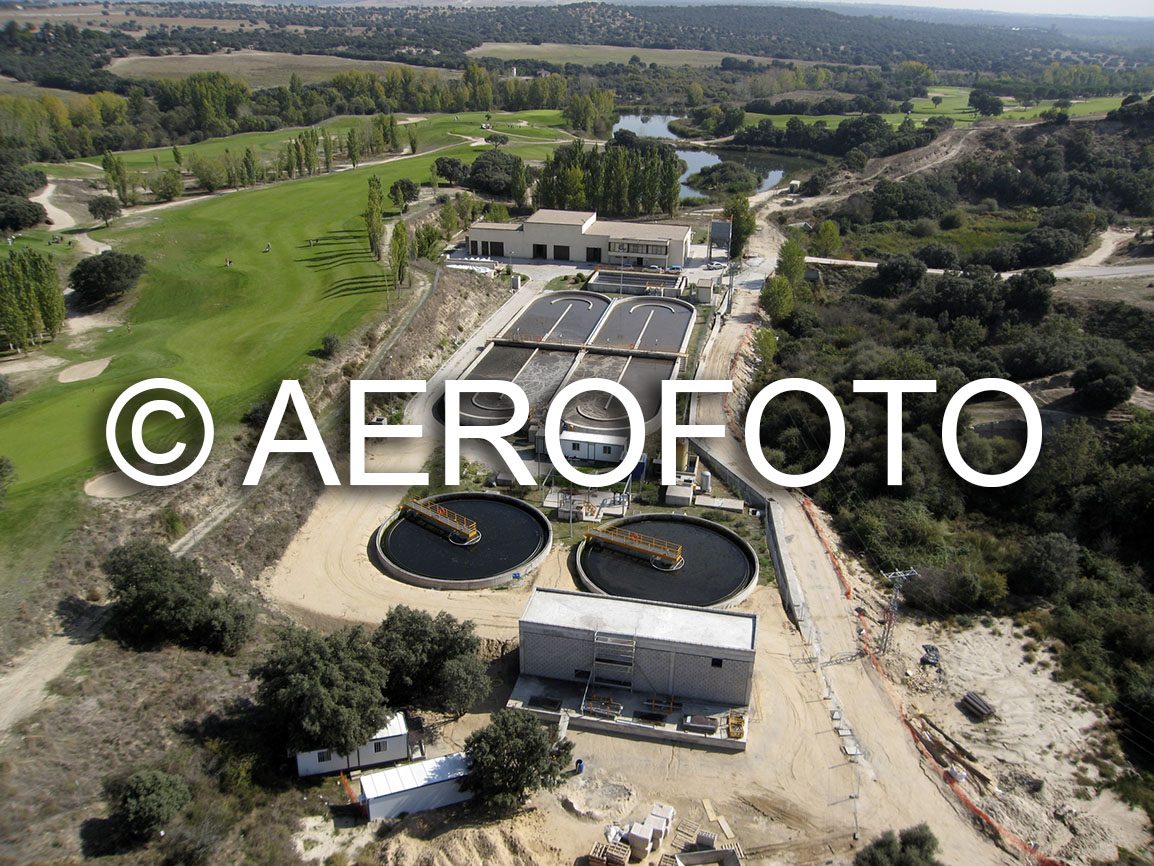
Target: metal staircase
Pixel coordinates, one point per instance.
(612, 668)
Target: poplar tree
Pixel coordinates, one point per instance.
(399, 252)
(374, 220)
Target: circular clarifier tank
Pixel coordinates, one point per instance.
(718, 568)
(462, 541)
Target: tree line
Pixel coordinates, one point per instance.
(628, 177)
(857, 139)
(31, 302)
(804, 34)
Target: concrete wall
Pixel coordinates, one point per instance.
(417, 800)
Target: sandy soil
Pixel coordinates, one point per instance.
(86, 370)
(327, 569)
(113, 485)
(1043, 730)
(83, 324)
(30, 363)
(62, 219)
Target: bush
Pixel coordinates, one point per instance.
(146, 801)
(512, 757)
(17, 213)
(915, 847)
(899, 275)
(104, 208)
(6, 392)
(103, 279)
(324, 691)
(1048, 564)
(159, 597)
(1104, 383)
(463, 682)
(937, 255)
(924, 228)
(330, 345)
(954, 219)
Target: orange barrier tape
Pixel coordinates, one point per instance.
(811, 513)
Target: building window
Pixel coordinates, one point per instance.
(575, 446)
(606, 449)
(325, 756)
(379, 747)
(716, 663)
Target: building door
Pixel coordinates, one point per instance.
(540, 251)
(639, 262)
(472, 248)
(561, 253)
(592, 254)
(496, 249)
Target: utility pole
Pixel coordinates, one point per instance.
(897, 580)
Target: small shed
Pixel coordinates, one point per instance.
(389, 744)
(416, 787)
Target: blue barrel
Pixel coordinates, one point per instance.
(580, 766)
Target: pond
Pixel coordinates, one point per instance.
(770, 168)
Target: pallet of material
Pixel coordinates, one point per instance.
(617, 854)
(976, 706)
(686, 836)
(597, 854)
(667, 860)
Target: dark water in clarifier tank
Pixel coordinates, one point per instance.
(715, 567)
(511, 535)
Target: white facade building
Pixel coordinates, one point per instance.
(643, 646)
(389, 744)
(580, 237)
(416, 787)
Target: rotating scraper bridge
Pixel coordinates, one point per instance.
(561, 337)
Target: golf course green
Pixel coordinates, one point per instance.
(230, 332)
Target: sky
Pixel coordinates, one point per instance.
(1115, 8)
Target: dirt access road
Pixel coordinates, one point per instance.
(896, 789)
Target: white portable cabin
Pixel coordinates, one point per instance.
(416, 787)
(582, 445)
(389, 744)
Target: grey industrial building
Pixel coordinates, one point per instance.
(651, 648)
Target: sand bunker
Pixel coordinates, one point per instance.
(113, 485)
(80, 372)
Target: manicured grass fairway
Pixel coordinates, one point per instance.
(436, 130)
(233, 333)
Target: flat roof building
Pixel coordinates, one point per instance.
(415, 787)
(648, 647)
(580, 237)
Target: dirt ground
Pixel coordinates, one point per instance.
(1043, 730)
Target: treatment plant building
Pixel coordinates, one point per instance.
(579, 237)
(647, 647)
